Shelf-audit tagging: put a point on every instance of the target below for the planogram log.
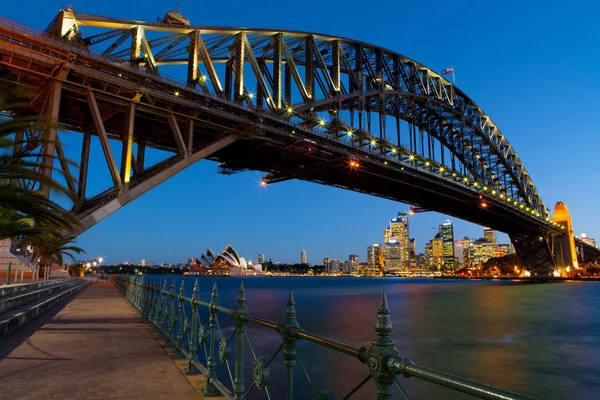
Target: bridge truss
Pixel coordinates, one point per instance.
(294, 105)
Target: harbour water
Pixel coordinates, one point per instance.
(539, 340)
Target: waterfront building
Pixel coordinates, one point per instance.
(588, 240)
(421, 261)
(326, 262)
(393, 257)
(333, 267)
(347, 267)
(466, 250)
(399, 232)
(354, 262)
(482, 250)
(261, 258)
(447, 236)
(413, 250)
(143, 262)
(303, 257)
(375, 255)
(505, 249)
(490, 235)
(434, 252)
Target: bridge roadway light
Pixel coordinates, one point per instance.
(263, 183)
(176, 93)
(373, 142)
(411, 157)
(290, 110)
(321, 122)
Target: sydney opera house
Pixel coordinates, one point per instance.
(227, 262)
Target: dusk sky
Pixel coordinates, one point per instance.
(532, 66)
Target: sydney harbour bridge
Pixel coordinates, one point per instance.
(294, 105)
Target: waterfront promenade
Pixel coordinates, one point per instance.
(96, 347)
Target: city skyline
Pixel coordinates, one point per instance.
(203, 220)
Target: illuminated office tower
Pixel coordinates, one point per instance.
(399, 233)
(375, 255)
(447, 233)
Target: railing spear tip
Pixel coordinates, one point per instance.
(291, 298)
(383, 304)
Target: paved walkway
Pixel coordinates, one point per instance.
(95, 348)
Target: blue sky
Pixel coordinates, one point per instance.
(532, 66)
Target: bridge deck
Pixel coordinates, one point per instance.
(95, 348)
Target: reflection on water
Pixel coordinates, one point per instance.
(541, 340)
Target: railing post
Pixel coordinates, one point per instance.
(381, 350)
(289, 333)
(171, 317)
(193, 342)
(180, 318)
(8, 274)
(163, 309)
(241, 312)
(211, 363)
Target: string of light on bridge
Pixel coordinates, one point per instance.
(401, 155)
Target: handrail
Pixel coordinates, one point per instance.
(176, 319)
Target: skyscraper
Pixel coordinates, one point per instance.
(303, 257)
(261, 258)
(354, 261)
(375, 255)
(447, 234)
(466, 249)
(434, 251)
(393, 256)
(490, 235)
(399, 233)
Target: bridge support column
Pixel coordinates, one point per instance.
(535, 251)
(83, 165)
(50, 134)
(566, 255)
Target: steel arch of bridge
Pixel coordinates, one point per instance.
(298, 75)
(372, 104)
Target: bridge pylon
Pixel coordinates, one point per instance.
(564, 245)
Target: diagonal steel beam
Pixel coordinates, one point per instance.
(136, 191)
(101, 132)
(177, 134)
(127, 152)
(64, 165)
(258, 73)
(210, 68)
(50, 134)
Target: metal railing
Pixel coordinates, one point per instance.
(175, 318)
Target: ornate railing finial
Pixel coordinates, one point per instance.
(242, 307)
(290, 312)
(383, 326)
